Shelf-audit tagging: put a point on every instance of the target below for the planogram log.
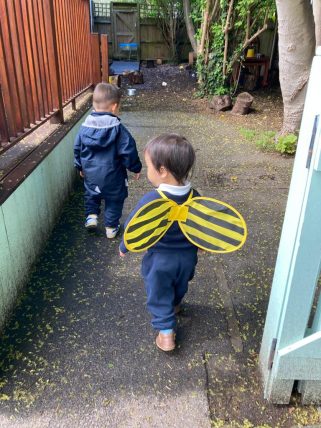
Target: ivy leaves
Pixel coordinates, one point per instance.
(230, 32)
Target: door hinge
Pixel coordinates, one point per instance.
(272, 353)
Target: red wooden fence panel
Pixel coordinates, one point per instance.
(104, 57)
(47, 58)
(72, 21)
(4, 132)
(95, 59)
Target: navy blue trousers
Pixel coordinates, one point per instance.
(112, 212)
(166, 276)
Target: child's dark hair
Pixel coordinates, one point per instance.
(173, 152)
(106, 94)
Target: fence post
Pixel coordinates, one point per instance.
(4, 132)
(95, 59)
(56, 73)
(104, 57)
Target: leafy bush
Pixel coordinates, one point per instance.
(263, 140)
(224, 30)
(287, 144)
(267, 140)
(210, 77)
(248, 134)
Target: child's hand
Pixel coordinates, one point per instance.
(82, 175)
(136, 176)
(122, 255)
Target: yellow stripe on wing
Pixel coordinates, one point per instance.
(219, 229)
(145, 228)
(237, 221)
(166, 204)
(158, 232)
(189, 232)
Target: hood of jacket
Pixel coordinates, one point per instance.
(99, 130)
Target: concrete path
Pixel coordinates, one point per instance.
(80, 351)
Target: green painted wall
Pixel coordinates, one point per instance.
(28, 216)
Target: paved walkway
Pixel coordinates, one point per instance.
(80, 351)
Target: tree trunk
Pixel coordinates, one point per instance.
(204, 27)
(226, 36)
(296, 50)
(189, 24)
(317, 20)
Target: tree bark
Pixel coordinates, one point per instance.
(296, 50)
(189, 24)
(226, 36)
(317, 20)
(204, 27)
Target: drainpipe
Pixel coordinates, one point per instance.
(91, 16)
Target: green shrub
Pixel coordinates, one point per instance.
(287, 144)
(267, 141)
(248, 134)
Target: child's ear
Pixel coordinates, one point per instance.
(115, 108)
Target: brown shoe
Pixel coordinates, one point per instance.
(166, 342)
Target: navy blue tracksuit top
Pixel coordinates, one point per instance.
(104, 150)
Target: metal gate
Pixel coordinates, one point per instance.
(125, 24)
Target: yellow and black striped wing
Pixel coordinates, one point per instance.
(148, 225)
(213, 225)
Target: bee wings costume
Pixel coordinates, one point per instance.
(206, 222)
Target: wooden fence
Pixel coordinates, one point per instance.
(151, 41)
(47, 58)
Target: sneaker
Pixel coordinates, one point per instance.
(111, 232)
(165, 342)
(91, 221)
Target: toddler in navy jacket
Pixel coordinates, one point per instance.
(169, 265)
(104, 150)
